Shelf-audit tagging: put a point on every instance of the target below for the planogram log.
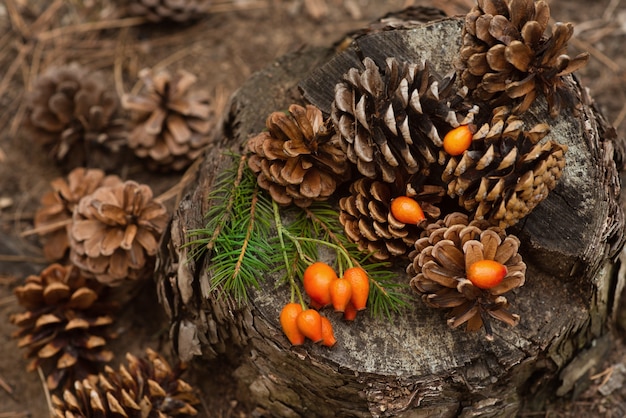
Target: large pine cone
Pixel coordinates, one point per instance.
(147, 388)
(75, 114)
(507, 171)
(368, 221)
(65, 326)
(180, 11)
(53, 219)
(172, 121)
(391, 120)
(115, 232)
(506, 53)
(439, 271)
(298, 159)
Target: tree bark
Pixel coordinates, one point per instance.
(415, 365)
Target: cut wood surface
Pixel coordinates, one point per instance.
(414, 365)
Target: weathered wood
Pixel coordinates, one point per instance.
(415, 366)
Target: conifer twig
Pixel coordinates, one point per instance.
(249, 230)
(229, 205)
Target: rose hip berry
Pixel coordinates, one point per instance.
(316, 280)
(360, 284)
(486, 274)
(288, 316)
(407, 210)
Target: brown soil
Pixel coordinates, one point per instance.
(223, 50)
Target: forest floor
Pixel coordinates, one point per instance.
(237, 38)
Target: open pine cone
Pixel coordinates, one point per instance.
(53, 219)
(298, 159)
(147, 388)
(507, 171)
(391, 120)
(65, 325)
(368, 221)
(439, 268)
(179, 11)
(115, 232)
(172, 121)
(75, 114)
(507, 54)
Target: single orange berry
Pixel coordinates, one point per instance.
(340, 294)
(458, 140)
(288, 316)
(350, 313)
(310, 324)
(407, 210)
(486, 274)
(360, 284)
(328, 335)
(316, 280)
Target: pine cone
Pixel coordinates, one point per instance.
(115, 233)
(172, 121)
(147, 388)
(65, 326)
(439, 269)
(368, 221)
(179, 11)
(53, 219)
(507, 54)
(507, 171)
(391, 121)
(75, 114)
(298, 158)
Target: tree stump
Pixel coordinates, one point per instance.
(414, 365)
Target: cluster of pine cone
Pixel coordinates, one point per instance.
(385, 137)
(101, 232)
(81, 122)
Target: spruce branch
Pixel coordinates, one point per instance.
(229, 204)
(246, 238)
(237, 232)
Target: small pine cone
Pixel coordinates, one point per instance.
(368, 221)
(507, 171)
(179, 11)
(298, 159)
(507, 54)
(390, 120)
(146, 388)
(75, 114)
(65, 325)
(439, 271)
(53, 219)
(172, 122)
(115, 232)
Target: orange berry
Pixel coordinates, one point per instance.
(316, 280)
(288, 316)
(360, 284)
(407, 210)
(328, 335)
(310, 324)
(340, 294)
(486, 274)
(350, 313)
(458, 140)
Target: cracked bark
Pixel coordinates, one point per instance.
(415, 366)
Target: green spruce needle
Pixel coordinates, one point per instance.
(248, 236)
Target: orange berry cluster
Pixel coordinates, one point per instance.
(347, 294)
